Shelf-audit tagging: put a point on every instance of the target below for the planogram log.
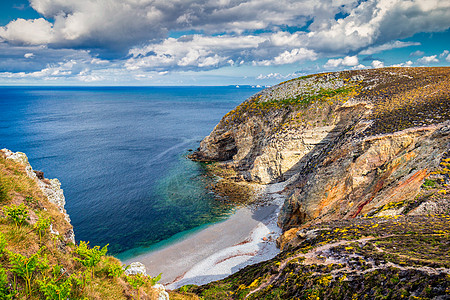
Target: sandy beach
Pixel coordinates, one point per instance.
(246, 237)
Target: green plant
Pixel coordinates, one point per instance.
(3, 244)
(41, 226)
(17, 213)
(136, 281)
(5, 293)
(55, 289)
(115, 270)
(90, 257)
(31, 201)
(25, 267)
(154, 280)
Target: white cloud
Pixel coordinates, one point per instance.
(373, 25)
(417, 53)
(428, 59)
(444, 53)
(289, 57)
(388, 46)
(377, 64)
(28, 32)
(405, 64)
(228, 32)
(278, 76)
(28, 55)
(348, 61)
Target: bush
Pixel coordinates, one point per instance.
(17, 213)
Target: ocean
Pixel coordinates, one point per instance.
(120, 153)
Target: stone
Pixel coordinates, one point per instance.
(135, 268)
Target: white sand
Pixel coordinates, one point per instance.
(246, 238)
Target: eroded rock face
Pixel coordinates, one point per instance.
(355, 140)
(358, 176)
(50, 187)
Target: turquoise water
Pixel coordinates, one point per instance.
(120, 155)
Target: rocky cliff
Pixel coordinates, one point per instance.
(367, 210)
(38, 255)
(355, 141)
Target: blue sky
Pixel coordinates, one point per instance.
(213, 42)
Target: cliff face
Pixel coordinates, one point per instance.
(368, 201)
(355, 140)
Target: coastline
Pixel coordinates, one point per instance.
(247, 237)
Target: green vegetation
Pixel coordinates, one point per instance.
(16, 213)
(369, 258)
(41, 226)
(35, 264)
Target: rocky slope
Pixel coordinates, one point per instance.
(367, 211)
(354, 140)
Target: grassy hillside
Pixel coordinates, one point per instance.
(38, 264)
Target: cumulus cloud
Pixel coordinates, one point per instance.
(373, 24)
(28, 32)
(151, 35)
(428, 59)
(405, 64)
(377, 64)
(28, 55)
(348, 61)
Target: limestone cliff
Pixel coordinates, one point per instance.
(354, 140)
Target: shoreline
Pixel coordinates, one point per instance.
(247, 237)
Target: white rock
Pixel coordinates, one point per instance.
(136, 268)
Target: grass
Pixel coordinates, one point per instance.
(54, 264)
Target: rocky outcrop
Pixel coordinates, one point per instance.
(50, 187)
(139, 268)
(354, 140)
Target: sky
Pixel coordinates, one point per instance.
(213, 42)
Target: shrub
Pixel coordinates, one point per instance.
(26, 267)
(41, 226)
(17, 213)
(90, 257)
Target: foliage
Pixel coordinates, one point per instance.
(41, 226)
(3, 244)
(17, 213)
(115, 270)
(5, 293)
(90, 257)
(26, 267)
(55, 289)
(136, 282)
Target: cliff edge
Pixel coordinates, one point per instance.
(351, 142)
(367, 210)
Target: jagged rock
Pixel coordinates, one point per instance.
(162, 294)
(39, 174)
(136, 268)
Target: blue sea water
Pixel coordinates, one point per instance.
(120, 155)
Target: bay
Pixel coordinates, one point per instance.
(120, 155)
